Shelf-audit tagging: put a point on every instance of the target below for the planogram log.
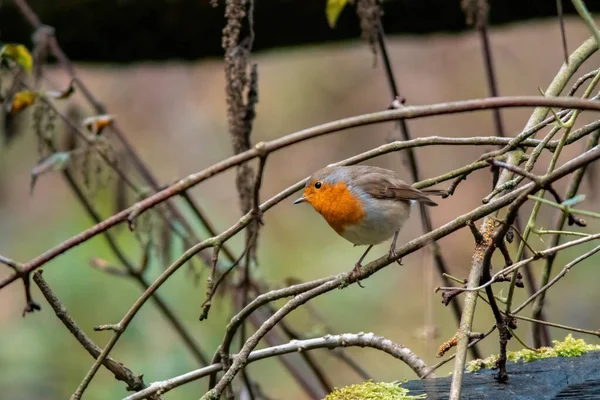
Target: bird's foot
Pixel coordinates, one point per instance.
(393, 254)
(355, 271)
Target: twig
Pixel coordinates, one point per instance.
(134, 382)
(560, 219)
(581, 80)
(565, 208)
(263, 299)
(549, 188)
(11, 263)
(501, 275)
(453, 356)
(555, 232)
(559, 326)
(482, 24)
(210, 283)
(314, 388)
(566, 72)
(479, 239)
(518, 232)
(455, 183)
(210, 293)
(562, 273)
(563, 34)
(133, 271)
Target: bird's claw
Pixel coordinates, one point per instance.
(354, 272)
(393, 254)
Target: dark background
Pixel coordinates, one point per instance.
(133, 30)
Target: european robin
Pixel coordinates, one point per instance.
(365, 205)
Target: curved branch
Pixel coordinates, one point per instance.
(328, 342)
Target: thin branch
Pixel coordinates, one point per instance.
(501, 275)
(330, 341)
(563, 34)
(315, 388)
(562, 273)
(214, 286)
(132, 270)
(559, 326)
(581, 80)
(11, 263)
(453, 356)
(211, 288)
(560, 219)
(134, 382)
(549, 188)
(489, 71)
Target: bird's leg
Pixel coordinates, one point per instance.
(358, 265)
(393, 248)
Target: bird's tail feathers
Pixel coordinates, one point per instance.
(431, 192)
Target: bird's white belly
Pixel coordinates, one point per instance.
(379, 224)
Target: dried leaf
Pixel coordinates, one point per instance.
(97, 123)
(54, 162)
(99, 263)
(56, 94)
(103, 265)
(22, 100)
(333, 11)
(19, 54)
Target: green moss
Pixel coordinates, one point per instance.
(373, 391)
(570, 347)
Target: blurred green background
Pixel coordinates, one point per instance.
(174, 113)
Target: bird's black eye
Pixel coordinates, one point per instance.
(318, 185)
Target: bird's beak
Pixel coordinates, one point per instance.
(300, 200)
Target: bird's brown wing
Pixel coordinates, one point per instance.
(384, 184)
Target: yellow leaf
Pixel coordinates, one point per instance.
(22, 100)
(333, 11)
(19, 54)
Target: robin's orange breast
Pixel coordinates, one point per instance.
(339, 207)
